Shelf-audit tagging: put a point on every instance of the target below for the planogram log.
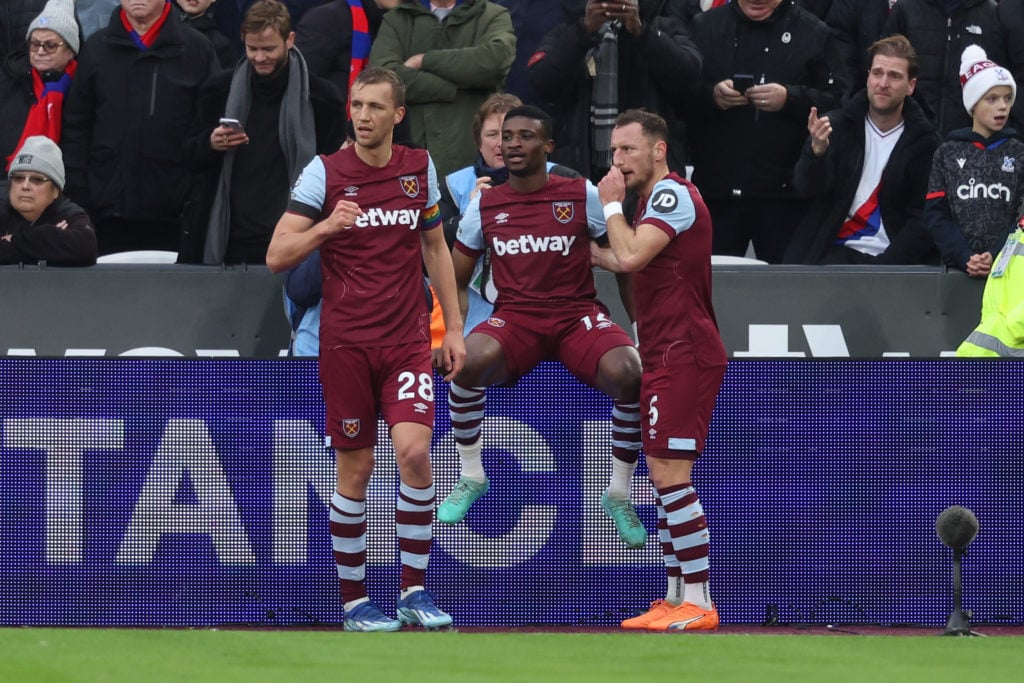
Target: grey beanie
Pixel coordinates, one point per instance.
(42, 155)
(59, 17)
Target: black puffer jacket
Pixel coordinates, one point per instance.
(857, 24)
(16, 99)
(655, 70)
(939, 43)
(62, 236)
(15, 16)
(129, 119)
(324, 37)
(745, 153)
(206, 23)
(1011, 18)
(832, 179)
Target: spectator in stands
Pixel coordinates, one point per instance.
(1011, 19)
(335, 38)
(94, 15)
(34, 86)
(592, 66)
(462, 185)
(688, 9)
(531, 21)
(451, 56)
(286, 117)
(39, 223)
(200, 15)
(746, 137)
(15, 16)
(940, 30)
(132, 110)
(864, 167)
(231, 12)
(857, 24)
(977, 177)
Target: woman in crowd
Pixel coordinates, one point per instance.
(38, 223)
(33, 87)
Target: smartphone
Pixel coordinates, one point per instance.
(234, 124)
(740, 82)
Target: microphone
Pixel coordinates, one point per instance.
(956, 527)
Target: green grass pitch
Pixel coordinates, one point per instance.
(44, 655)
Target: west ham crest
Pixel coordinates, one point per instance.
(563, 211)
(350, 426)
(410, 185)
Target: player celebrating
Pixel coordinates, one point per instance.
(684, 360)
(538, 227)
(371, 209)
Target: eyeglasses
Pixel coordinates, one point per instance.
(49, 47)
(34, 180)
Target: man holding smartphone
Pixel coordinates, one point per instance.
(266, 108)
(766, 63)
(603, 59)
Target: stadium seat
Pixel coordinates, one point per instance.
(141, 256)
(722, 260)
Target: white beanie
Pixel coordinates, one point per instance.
(979, 74)
(42, 155)
(59, 17)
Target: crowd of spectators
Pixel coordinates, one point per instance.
(134, 91)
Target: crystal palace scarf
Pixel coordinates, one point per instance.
(360, 45)
(146, 41)
(45, 115)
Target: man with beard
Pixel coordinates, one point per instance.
(668, 250)
(864, 167)
(277, 103)
(371, 210)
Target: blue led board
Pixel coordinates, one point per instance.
(193, 492)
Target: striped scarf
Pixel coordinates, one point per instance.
(604, 99)
(144, 42)
(360, 46)
(45, 115)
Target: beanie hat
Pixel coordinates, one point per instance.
(59, 17)
(979, 74)
(42, 155)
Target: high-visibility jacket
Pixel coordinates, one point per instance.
(1001, 331)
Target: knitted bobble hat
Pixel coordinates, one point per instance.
(979, 74)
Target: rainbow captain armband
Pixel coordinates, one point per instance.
(431, 217)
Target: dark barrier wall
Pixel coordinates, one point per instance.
(194, 492)
(763, 311)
